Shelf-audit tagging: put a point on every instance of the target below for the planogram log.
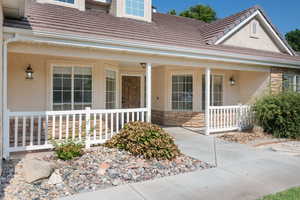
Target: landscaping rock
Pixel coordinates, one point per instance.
(36, 169)
(99, 168)
(55, 178)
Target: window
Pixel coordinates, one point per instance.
(135, 7)
(72, 88)
(254, 29)
(291, 82)
(110, 92)
(182, 92)
(66, 1)
(216, 90)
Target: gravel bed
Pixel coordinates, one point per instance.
(98, 168)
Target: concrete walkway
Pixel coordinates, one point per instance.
(243, 173)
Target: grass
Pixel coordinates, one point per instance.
(291, 194)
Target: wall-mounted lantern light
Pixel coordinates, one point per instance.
(143, 65)
(232, 81)
(29, 72)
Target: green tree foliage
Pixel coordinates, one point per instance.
(293, 38)
(172, 12)
(201, 12)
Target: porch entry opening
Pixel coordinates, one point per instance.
(131, 91)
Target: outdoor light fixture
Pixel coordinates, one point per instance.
(232, 81)
(29, 72)
(143, 65)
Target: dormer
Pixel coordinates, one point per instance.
(134, 9)
(78, 4)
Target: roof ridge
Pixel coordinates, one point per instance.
(182, 17)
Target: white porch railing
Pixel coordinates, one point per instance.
(229, 118)
(34, 130)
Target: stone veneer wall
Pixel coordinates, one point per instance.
(276, 82)
(178, 118)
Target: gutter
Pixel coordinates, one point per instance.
(147, 48)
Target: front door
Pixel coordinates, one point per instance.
(131, 92)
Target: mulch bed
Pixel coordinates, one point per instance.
(244, 137)
(98, 168)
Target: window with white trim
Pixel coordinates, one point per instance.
(72, 88)
(216, 90)
(291, 82)
(66, 1)
(182, 92)
(135, 7)
(111, 89)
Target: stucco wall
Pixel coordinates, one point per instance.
(1, 39)
(243, 38)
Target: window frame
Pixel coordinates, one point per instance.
(63, 2)
(117, 87)
(72, 77)
(193, 90)
(132, 15)
(294, 85)
(212, 89)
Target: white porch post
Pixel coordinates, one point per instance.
(5, 122)
(148, 90)
(207, 100)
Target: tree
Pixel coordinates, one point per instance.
(200, 12)
(172, 12)
(293, 38)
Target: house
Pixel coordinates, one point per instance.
(81, 69)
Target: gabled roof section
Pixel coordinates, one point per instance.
(220, 30)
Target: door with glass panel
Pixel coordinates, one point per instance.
(72, 88)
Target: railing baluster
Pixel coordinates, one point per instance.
(39, 130)
(16, 131)
(122, 120)
(111, 124)
(128, 117)
(60, 127)
(24, 132)
(46, 129)
(133, 117)
(94, 128)
(143, 116)
(117, 122)
(80, 127)
(31, 130)
(53, 127)
(73, 126)
(106, 126)
(67, 127)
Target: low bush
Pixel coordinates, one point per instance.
(279, 114)
(68, 150)
(145, 139)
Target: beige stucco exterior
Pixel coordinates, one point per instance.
(244, 38)
(35, 95)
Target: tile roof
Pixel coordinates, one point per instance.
(165, 29)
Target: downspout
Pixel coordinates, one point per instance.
(5, 122)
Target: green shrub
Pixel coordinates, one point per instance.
(145, 139)
(68, 150)
(279, 114)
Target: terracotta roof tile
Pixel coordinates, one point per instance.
(164, 29)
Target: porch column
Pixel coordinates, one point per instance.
(207, 99)
(148, 90)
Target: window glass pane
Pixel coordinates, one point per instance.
(71, 88)
(135, 7)
(216, 90)
(182, 92)
(288, 82)
(110, 91)
(66, 1)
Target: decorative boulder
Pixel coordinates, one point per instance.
(37, 169)
(55, 178)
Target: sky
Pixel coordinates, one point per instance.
(285, 14)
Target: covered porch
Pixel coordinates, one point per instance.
(89, 95)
